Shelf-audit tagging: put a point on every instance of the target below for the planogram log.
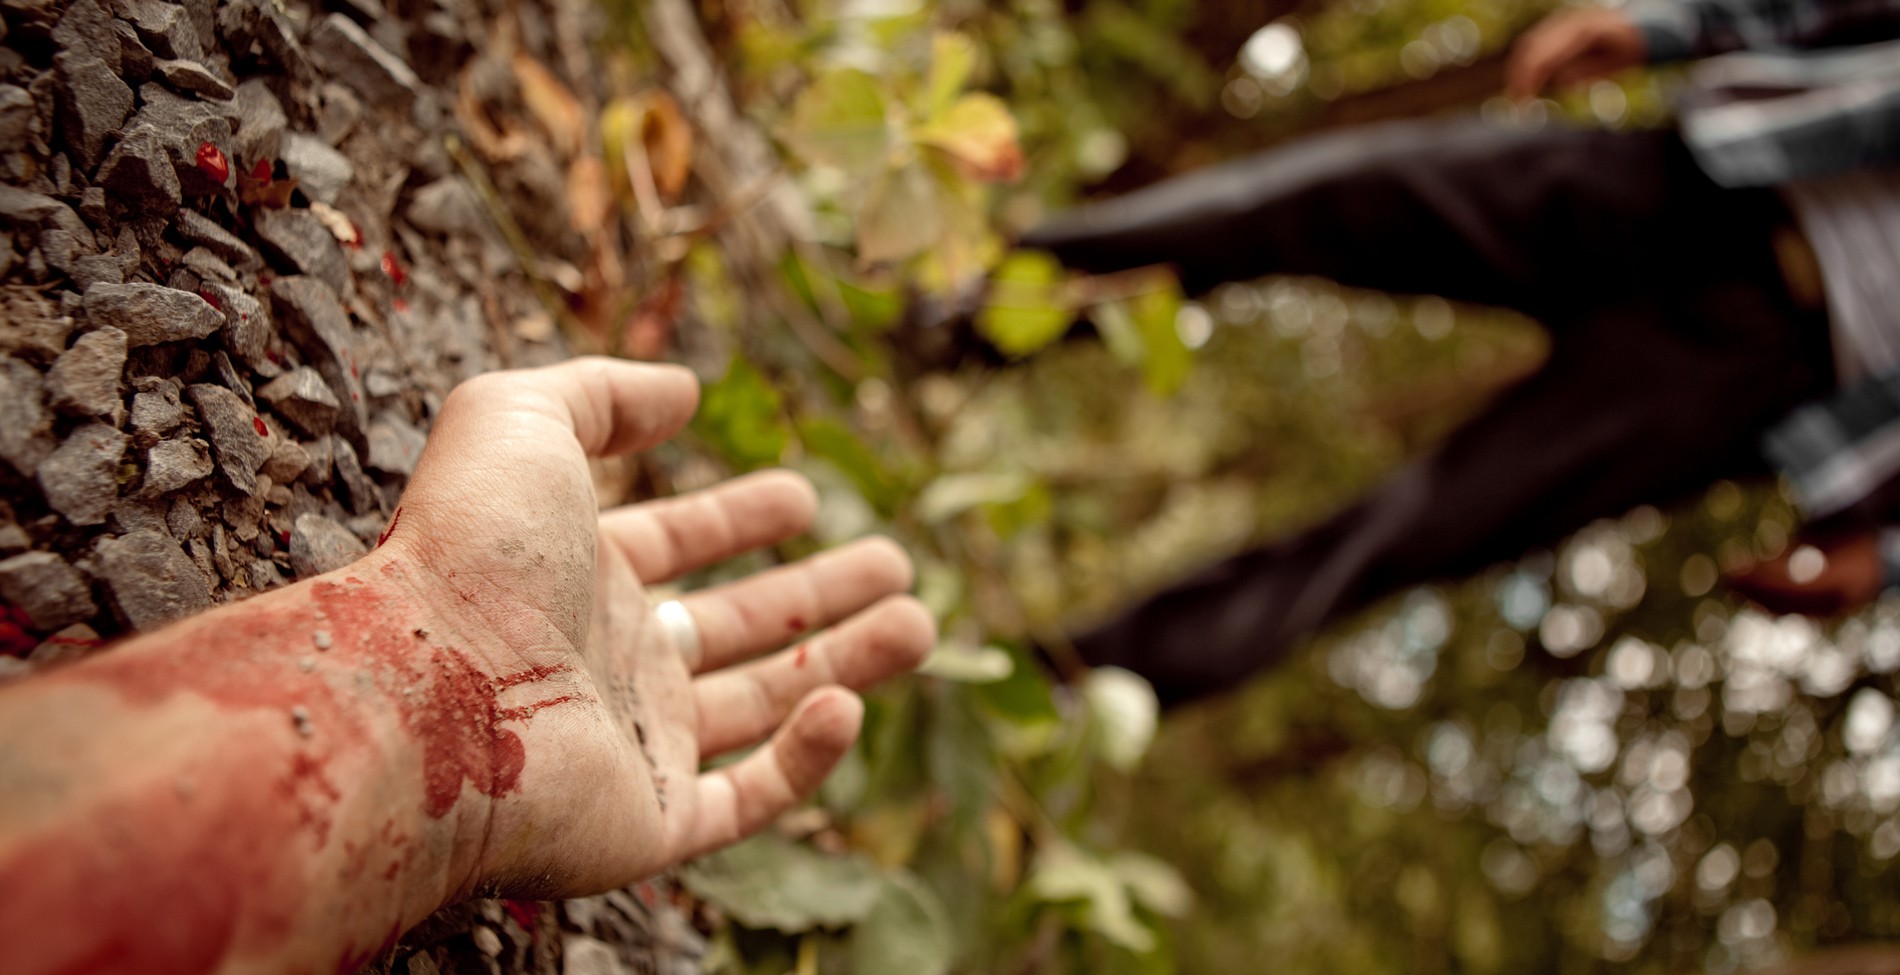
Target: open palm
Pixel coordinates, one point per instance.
(614, 714)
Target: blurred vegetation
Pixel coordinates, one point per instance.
(1592, 759)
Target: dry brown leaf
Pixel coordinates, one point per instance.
(552, 104)
(337, 222)
(668, 140)
(262, 188)
(588, 198)
(488, 139)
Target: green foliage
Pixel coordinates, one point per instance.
(768, 882)
(1405, 796)
(1025, 311)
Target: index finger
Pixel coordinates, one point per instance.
(613, 406)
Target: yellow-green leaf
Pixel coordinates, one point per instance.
(1024, 311)
(839, 120)
(901, 215)
(980, 134)
(952, 58)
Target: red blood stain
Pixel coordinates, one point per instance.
(212, 163)
(356, 237)
(394, 868)
(257, 422)
(224, 857)
(524, 913)
(213, 300)
(72, 641)
(448, 707)
(15, 641)
(16, 632)
(390, 529)
(795, 625)
(401, 305)
(207, 870)
(283, 538)
(804, 653)
(261, 171)
(393, 268)
(309, 790)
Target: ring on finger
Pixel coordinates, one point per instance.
(681, 628)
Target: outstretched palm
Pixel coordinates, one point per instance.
(613, 713)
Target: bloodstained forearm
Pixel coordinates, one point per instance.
(282, 785)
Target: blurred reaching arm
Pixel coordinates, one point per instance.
(1571, 47)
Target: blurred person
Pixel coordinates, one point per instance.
(488, 704)
(1698, 282)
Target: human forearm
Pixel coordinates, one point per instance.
(285, 783)
(485, 703)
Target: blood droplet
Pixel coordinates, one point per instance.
(261, 171)
(15, 641)
(257, 422)
(212, 163)
(804, 654)
(393, 268)
(402, 305)
(524, 913)
(211, 299)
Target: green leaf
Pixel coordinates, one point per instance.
(1064, 873)
(1141, 331)
(905, 932)
(1023, 699)
(967, 664)
(953, 494)
(740, 417)
(901, 215)
(1155, 884)
(839, 120)
(832, 441)
(1126, 714)
(1024, 312)
(1167, 360)
(771, 882)
(952, 58)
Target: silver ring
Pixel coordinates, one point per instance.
(680, 627)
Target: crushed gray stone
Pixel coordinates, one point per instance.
(151, 313)
(233, 428)
(85, 380)
(52, 593)
(25, 424)
(300, 242)
(173, 464)
(318, 545)
(93, 101)
(151, 579)
(302, 397)
(80, 478)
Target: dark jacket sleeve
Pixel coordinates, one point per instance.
(1681, 29)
